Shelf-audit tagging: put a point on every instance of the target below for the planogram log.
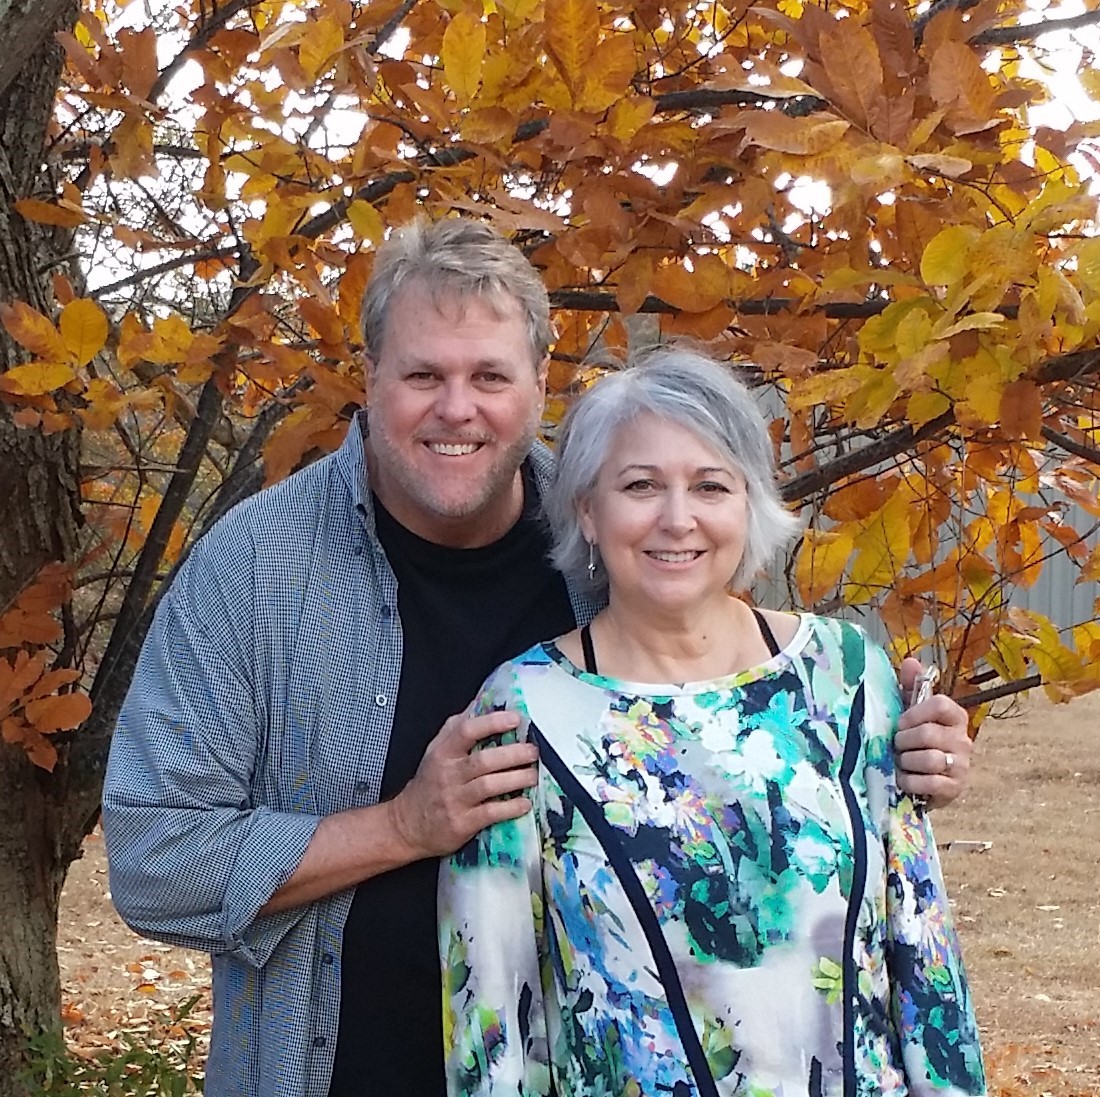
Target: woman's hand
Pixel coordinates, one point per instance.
(932, 745)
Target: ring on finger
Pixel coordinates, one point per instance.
(948, 761)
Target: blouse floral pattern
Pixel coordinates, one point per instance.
(720, 891)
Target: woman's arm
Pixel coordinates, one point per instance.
(930, 999)
(490, 936)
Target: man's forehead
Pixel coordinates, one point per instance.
(454, 303)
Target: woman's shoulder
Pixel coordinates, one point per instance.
(849, 642)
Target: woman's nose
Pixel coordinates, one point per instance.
(676, 514)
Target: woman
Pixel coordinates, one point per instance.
(720, 889)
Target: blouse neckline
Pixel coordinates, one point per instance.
(772, 665)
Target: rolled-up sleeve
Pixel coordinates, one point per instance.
(192, 859)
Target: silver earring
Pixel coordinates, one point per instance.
(591, 562)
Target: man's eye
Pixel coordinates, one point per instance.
(421, 376)
(491, 378)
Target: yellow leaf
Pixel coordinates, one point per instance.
(983, 398)
(884, 169)
(698, 290)
(925, 406)
(572, 33)
(628, 116)
(1090, 81)
(877, 391)
(517, 11)
(851, 59)
(47, 213)
(610, 74)
(823, 388)
(464, 55)
(821, 561)
(133, 148)
(36, 378)
(798, 136)
(83, 329)
(945, 258)
(324, 38)
(941, 163)
(30, 329)
(366, 221)
(976, 321)
(133, 341)
(105, 400)
(882, 549)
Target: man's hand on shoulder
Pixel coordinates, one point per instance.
(932, 744)
(458, 791)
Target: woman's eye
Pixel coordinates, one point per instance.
(639, 485)
(712, 487)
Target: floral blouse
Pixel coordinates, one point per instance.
(720, 891)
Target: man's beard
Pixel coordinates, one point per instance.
(496, 481)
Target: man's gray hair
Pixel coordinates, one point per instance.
(683, 387)
(455, 258)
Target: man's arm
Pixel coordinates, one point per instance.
(931, 735)
(455, 793)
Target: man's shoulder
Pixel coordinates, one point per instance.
(293, 504)
(276, 530)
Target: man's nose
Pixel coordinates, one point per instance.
(455, 402)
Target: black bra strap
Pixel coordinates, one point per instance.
(589, 651)
(766, 632)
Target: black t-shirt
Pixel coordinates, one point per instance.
(463, 612)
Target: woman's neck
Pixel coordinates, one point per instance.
(712, 641)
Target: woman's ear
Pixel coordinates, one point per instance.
(585, 519)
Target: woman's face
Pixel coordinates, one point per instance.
(668, 515)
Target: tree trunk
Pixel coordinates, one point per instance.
(32, 868)
(42, 815)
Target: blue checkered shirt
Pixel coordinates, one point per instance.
(263, 700)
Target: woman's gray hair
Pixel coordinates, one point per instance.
(458, 258)
(694, 392)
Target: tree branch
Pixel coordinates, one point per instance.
(1066, 367)
(162, 268)
(994, 693)
(801, 487)
(1012, 36)
(152, 552)
(1078, 449)
(198, 40)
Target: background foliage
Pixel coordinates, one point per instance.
(853, 198)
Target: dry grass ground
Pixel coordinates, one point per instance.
(1028, 911)
(1029, 908)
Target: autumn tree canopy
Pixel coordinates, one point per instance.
(853, 197)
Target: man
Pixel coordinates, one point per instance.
(278, 794)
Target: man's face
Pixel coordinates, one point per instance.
(455, 400)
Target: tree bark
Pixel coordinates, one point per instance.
(39, 519)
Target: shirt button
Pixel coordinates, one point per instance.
(380, 700)
(362, 786)
(328, 958)
(358, 550)
(319, 1041)
(386, 611)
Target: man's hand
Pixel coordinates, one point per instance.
(457, 790)
(932, 745)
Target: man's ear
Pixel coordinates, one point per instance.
(370, 368)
